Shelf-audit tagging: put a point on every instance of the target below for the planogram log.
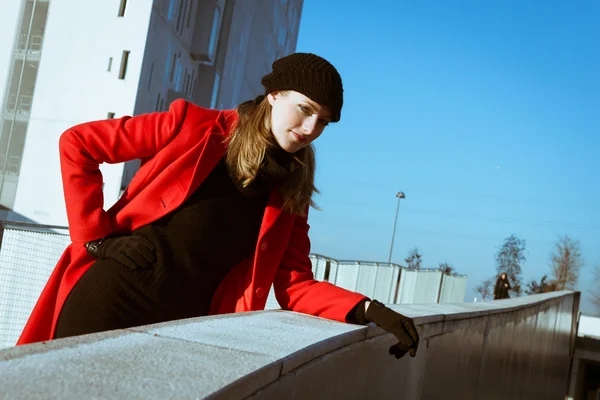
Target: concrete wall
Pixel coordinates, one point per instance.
(585, 371)
(509, 349)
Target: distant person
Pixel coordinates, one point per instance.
(215, 216)
(502, 287)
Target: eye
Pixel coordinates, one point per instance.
(305, 109)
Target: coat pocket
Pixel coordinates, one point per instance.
(173, 194)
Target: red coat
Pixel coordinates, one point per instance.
(178, 148)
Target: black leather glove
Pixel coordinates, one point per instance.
(401, 326)
(131, 251)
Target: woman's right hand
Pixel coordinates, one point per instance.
(132, 251)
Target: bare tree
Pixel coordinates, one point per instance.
(509, 259)
(543, 286)
(447, 268)
(413, 260)
(566, 262)
(485, 288)
(595, 292)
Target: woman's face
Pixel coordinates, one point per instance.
(503, 276)
(296, 120)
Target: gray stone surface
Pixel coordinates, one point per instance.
(294, 338)
(516, 348)
(135, 366)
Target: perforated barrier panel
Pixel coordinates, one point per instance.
(26, 260)
(453, 289)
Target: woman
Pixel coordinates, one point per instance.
(502, 287)
(216, 214)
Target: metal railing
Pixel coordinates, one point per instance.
(387, 282)
(29, 252)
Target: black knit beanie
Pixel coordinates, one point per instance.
(310, 75)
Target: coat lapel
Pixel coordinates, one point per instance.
(212, 151)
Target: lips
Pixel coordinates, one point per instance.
(299, 137)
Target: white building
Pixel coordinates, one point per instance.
(63, 62)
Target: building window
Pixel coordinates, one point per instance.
(109, 63)
(122, 8)
(186, 85)
(215, 92)
(178, 80)
(157, 102)
(124, 60)
(214, 33)
(192, 82)
(171, 6)
(110, 115)
(150, 75)
(189, 14)
(173, 67)
(180, 17)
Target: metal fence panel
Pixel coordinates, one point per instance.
(460, 290)
(319, 265)
(453, 289)
(367, 274)
(27, 259)
(385, 284)
(448, 284)
(333, 271)
(347, 276)
(406, 291)
(427, 287)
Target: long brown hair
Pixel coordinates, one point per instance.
(248, 148)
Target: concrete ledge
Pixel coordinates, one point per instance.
(473, 347)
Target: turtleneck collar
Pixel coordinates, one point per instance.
(281, 157)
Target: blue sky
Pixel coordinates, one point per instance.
(486, 114)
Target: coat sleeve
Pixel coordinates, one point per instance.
(297, 290)
(84, 147)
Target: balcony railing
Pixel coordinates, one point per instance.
(12, 164)
(34, 46)
(21, 105)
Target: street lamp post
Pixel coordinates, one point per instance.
(399, 195)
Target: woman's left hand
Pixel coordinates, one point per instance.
(400, 325)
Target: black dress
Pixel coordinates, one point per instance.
(197, 244)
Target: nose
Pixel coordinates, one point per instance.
(309, 124)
